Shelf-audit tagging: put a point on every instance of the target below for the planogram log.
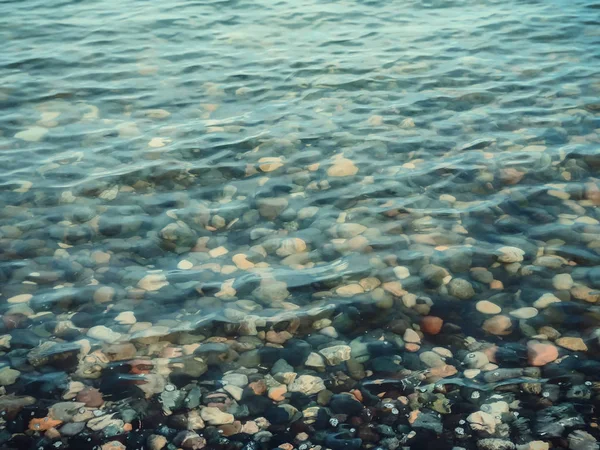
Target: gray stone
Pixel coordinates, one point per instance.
(432, 275)
(495, 444)
(461, 289)
(336, 354)
(582, 440)
(236, 379)
(270, 208)
(281, 366)
(307, 384)
(8, 376)
(65, 410)
(72, 429)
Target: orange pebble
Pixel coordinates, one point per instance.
(43, 424)
(357, 395)
(413, 416)
(496, 284)
(431, 324)
(127, 427)
(412, 347)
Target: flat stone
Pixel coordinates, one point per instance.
(236, 379)
(546, 300)
(105, 334)
(21, 298)
(411, 336)
(487, 307)
(270, 208)
(497, 325)
(315, 360)
(126, 318)
(342, 167)
(336, 354)
(214, 416)
(8, 376)
(562, 281)
(349, 290)
(33, 134)
(153, 282)
(104, 294)
(575, 344)
(524, 313)
(482, 421)
(401, 272)
(541, 353)
(510, 254)
(307, 384)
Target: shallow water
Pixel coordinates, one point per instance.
(183, 171)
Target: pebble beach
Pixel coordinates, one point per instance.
(300, 225)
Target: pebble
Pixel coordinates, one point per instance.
(497, 325)
(336, 354)
(126, 318)
(411, 336)
(541, 353)
(510, 255)
(307, 384)
(342, 167)
(575, 344)
(315, 360)
(33, 134)
(432, 325)
(21, 298)
(460, 289)
(487, 307)
(562, 281)
(401, 272)
(482, 421)
(153, 282)
(105, 334)
(214, 416)
(546, 300)
(524, 313)
(8, 376)
(476, 360)
(184, 264)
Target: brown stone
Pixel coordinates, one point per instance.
(92, 397)
(431, 325)
(277, 394)
(572, 343)
(541, 353)
(497, 325)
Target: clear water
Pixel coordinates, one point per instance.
(145, 145)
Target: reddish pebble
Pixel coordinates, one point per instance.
(91, 397)
(541, 353)
(431, 324)
(258, 387)
(410, 347)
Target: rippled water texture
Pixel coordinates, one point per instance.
(175, 172)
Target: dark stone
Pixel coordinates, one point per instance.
(345, 404)
(296, 352)
(430, 421)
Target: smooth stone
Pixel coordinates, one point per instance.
(562, 281)
(104, 294)
(21, 298)
(33, 134)
(185, 265)
(431, 359)
(342, 167)
(126, 318)
(105, 334)
(461, 289)
(575, 344)
(487, 307)
(510, 254)
(270, 208)
(153, 282)
(411, 336)
(476, 360)
(8, 376)
(401, 272)
(497, 325)
(582, 440)
(546, 300)
(524, 313)
(541, 353)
